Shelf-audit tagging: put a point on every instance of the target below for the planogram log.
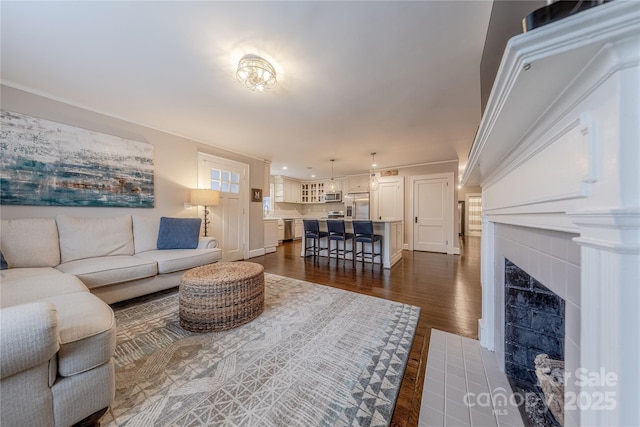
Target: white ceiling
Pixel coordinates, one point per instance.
(398, 78)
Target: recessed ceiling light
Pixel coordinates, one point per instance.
(284, 168)
(313, 176)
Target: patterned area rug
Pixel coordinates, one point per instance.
(317, 356)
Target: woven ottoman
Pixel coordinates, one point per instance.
(221, 296)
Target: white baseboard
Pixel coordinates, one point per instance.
(256, 252)
(454, 251)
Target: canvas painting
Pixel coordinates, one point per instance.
(52, 164)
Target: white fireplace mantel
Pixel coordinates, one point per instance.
(558, 149)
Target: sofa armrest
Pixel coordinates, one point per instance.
(207, 243)
(29, 336)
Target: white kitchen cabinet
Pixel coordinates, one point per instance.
(358, 183)
(287, 190)
(312, 191)
(297, 229)
(271, 235)
(388, 199)
(280, 230)
(293, 192)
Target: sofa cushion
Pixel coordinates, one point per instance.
(29, 337)
(179, 233)
(27, 273)
(30, 242)
(24, 285)
(145, 233)
(87, 332)
(3, 262)
(171, 260)
(94, 237)
(102, 271)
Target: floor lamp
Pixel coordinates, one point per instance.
(205, 197)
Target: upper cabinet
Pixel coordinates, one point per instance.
(292, 191)
(357, 183)
(313, 192)
(287, 190)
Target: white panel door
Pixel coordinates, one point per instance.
(432, 214)
(229, 220)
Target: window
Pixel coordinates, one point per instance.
(474, 217)
(225, 181)
(267, 201)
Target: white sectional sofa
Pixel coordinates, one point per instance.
(57, 332)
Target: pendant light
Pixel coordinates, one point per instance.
(332, 185)
(373, 182)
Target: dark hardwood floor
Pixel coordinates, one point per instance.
(445, 287)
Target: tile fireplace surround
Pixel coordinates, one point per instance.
(558, 158)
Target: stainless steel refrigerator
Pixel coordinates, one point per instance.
(356, 205)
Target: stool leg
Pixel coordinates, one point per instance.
(364, 253)
(355, 252)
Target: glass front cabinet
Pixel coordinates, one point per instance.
(312, 192)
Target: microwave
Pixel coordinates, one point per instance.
(333, 197)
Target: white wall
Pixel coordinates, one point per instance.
(175, 162)
(473, 189)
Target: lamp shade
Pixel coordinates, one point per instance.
(204, 197)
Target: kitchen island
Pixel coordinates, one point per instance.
(391, 232)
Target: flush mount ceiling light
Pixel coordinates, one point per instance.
(256, 73)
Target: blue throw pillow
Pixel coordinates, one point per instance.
(3, 263)
(179, 233)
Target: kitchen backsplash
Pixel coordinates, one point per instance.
(296, 209)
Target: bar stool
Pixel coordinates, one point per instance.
(338, 234)
(363, 231)
(312, 231)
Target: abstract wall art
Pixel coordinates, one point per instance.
(52, 164)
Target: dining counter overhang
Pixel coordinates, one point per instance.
(390, 230)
